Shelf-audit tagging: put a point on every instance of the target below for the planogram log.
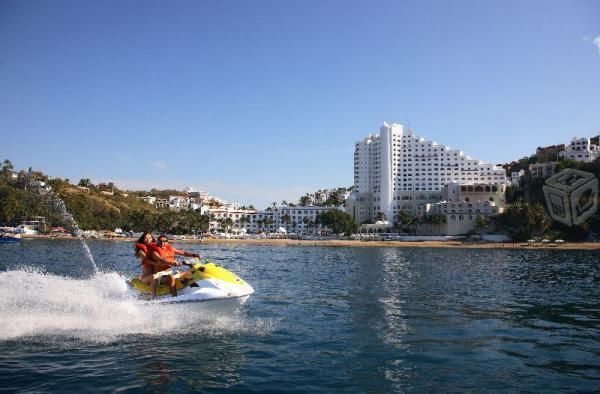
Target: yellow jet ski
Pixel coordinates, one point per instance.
(202, 282)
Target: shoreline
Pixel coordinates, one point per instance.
(355, 243)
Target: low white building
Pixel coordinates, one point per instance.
(195, 193)
(217, 214)
(542, 170)
(462, 204)
(149, 199)
(302, 220)
(580, 149)
(515, 177)
(179, 202)
(161, 203)
(260, 221)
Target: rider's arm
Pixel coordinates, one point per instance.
(159, 260)
(186, 254)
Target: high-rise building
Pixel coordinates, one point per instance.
(398, 170)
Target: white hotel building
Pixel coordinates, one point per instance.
(301, 220)
(398, 170)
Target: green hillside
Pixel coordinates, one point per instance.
(22, 197)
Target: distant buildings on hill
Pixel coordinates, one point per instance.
(235, 218)
(549, 153)
(543, 164)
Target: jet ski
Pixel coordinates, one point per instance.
(202, 283)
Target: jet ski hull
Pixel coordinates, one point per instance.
(215, 306)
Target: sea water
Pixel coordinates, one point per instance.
(324, 319)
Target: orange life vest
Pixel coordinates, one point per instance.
(147, 251)
(166, 252)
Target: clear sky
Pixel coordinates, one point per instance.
(259, 101)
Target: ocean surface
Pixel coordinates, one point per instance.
(323, 319)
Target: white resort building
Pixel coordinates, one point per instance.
(294, 219)
(580, 149)
(398, 170)
(463, 203)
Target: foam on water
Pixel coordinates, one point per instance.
(35, 304)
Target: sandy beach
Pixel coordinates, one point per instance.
(354, 243)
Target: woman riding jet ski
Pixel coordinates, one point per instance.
(202, 282)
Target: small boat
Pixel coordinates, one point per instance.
(10, 238)
(203, 284)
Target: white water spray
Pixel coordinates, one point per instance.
(60, 207)
(99, 309)
(88, 254)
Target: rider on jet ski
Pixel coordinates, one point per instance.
(157, 257)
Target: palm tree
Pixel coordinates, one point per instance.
(85, 182)
(6, 169)
(269, 222)
(243, 220)
(318, 196)
(259, 223)
(404, 218)
(286, 220)
(305, 221)
(227, 222)
(305, 200)
(220, 223)
(481, 223)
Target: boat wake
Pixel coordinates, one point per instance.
(38, 304)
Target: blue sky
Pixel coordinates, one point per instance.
(259, 101)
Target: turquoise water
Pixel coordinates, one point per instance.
(323, 319)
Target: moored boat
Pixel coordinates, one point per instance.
(9, 238)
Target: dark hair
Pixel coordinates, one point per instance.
(143, 237)
(141, 241)
(163, 236)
